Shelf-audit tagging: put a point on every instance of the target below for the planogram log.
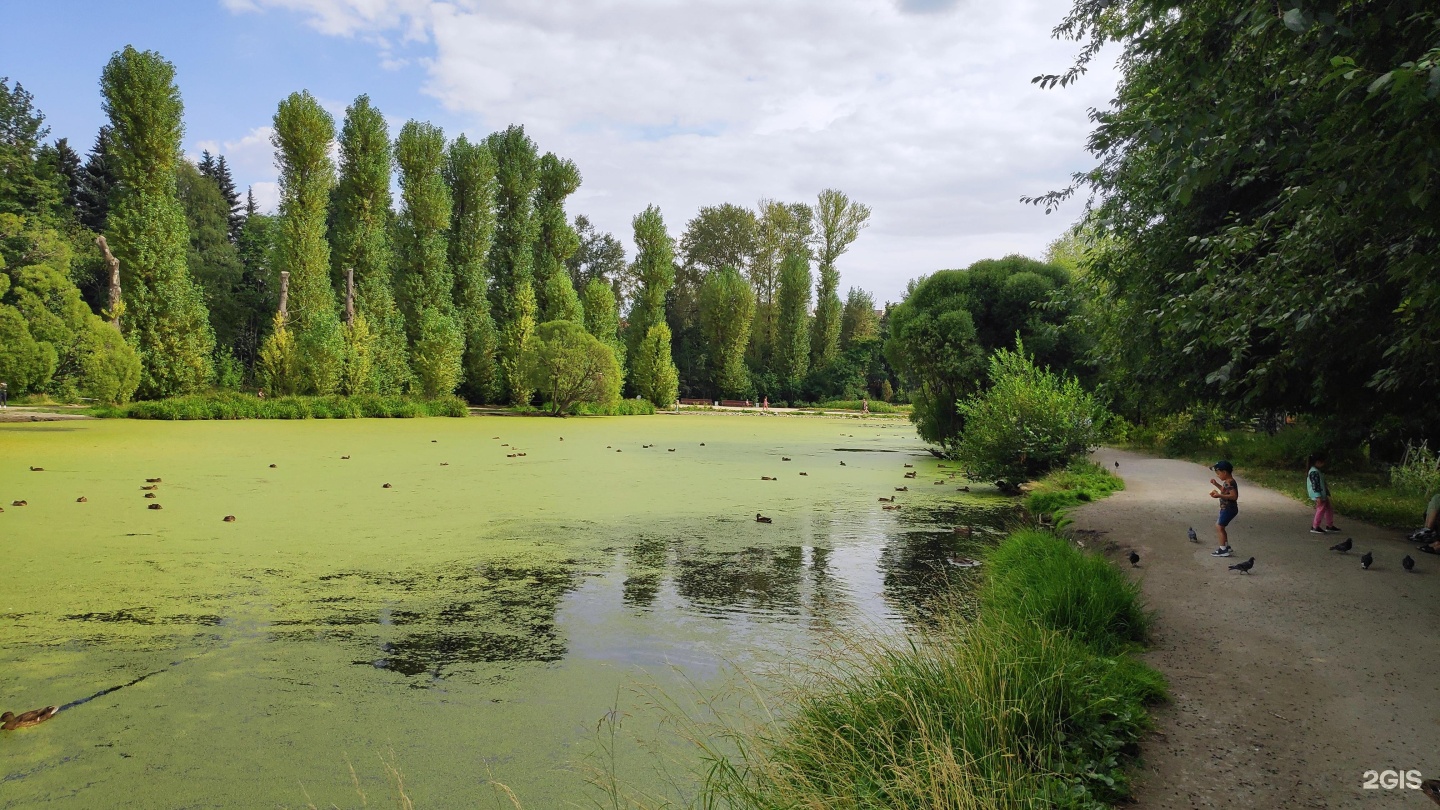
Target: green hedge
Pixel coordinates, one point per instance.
(231, 405)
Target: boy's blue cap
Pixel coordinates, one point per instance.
(1223, 466)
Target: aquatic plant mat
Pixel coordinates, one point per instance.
(474, 621)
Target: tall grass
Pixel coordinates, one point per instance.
(1036, 703)
(876, 406)
(232, 405)
(1080, 482)
(625, 407)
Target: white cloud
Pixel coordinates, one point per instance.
(922, 109)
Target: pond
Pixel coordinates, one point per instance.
(465, 599)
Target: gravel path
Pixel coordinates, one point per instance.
(1287, 684)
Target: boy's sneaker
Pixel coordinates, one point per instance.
(1332, 528)
(1223, 551)
(1316, 530)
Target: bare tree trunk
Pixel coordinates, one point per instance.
(114, 265)
(350, 297)
(284, 296)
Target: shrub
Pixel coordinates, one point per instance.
(1029, 422)
(109, 367)
(624, 407)
(1418, 473)
(233, 405)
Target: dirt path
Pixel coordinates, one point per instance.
(20, 413)
(1287, 684)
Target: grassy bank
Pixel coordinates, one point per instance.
(231, 405)
(1081, 482)
(1036, 703)
(1359, 488)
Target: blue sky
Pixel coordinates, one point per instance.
(922, 109)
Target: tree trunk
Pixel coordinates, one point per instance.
(350, 297)
(114, 265)
(284, 296)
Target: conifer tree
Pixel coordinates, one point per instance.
(470, 173)
(426, 283)
(212, 259)
(164, 314)
(97, 178)
(512, 258)
(256, 293)
(303, 132)
(360, 240)
(215, 168)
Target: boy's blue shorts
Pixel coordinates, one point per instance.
(1228, 513)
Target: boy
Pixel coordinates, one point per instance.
(1227, 492)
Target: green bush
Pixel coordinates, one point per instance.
(1081, 482)
(1418, 473)
(624, 407)
(567, 365)
(876, 406)
(1028, 423)
(1188, 431)
(1034, 704)
(233, 405)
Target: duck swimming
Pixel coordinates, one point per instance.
(152, 480)
(229, 518)
(12, 721)
(82, 499)
(759, 518)
(37, 469)
(156, 506)
(902, 489)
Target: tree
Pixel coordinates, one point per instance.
(654, 269)
(470, 173)
(784, 228)
(838, 222)
(215, 168)
(792, 345)
(568, 365)
(950, 322)
(24, 187)
(512, 257)
(718, 236)
(96, 181)
(427, 285)
(65, 164)
(212, 259)
(858, 321)
(303, 133)
(360, 242)
(1265, 196)
(165, 317)
(1028, 422)
(602, 316)
(556, 241)
(600, 256)
(654, 374)
(255, 295)
(727, 306)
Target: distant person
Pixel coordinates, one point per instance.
(765, 406)
(4, 395)
(260, 393)
(865, 405)
(1227, 492)
(1319, 492)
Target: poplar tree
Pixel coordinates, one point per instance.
(470, 173)
(858, 321)
(426, 284)
(654, 271)
(602, 316)
(512, 257)
(783, 228)
(164, 315)
(792, 350)
(556, 241)
(360, 239)
(727, 305)
(837, 225)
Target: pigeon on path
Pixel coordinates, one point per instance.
(1134, 559)
(1191, 534)
(1244, 567)
(1408, 563)
(1344, 545)
(1431, 788)
(1366, 560)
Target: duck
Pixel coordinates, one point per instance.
(908, 466)
(964, 531)
(229, 519)
(385, 485)
(939, 482)
(890, 507)
(910, 475)
(519, 455)
(444, 464)
(156, 506)
(507, 444)
(670, 450)
(784, 458)
(344, 458)
(151, 495)
(759, 518)
(963, 562)
(902, 489)
(12, 721)
(20, 503)
(152, 480)
(274, 466)
(434, 441)
(962, 489)
(37, 469)
(890, 499)
(150, 488)
(804, 473)
(842, 464)
(766, 478)
(702, 444)
(82, 499)
(619, 451)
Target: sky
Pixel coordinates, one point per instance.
(922, 109)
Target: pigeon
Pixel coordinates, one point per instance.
(1117, 465)
(1194, 538)
(1134, 559)
(1431, 788)
(1366, 560)
(1408, 563)
(1344, 545)
(1244, 567)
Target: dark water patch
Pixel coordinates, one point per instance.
(137, 616)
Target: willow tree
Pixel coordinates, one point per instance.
(727, 305)
(838, 221)
(360, 242)
(792, 350)
(512, 257)
(303, 132)
(556, 241)
(470, 173)
(164, 313)
(426, 284)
